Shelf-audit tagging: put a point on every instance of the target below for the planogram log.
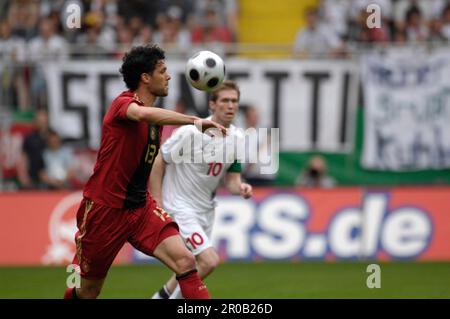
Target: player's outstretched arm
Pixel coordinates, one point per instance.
(156, 179)
(158, 115)
(167, 117)
(235, 186)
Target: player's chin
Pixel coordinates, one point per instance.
(163, 92)
(229, 118)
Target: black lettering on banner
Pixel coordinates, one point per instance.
(316, 79)
(343, 128)
(236, 75)
(105, 78)
(82, 110)
(277, 78)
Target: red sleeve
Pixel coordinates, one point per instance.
(120, 109)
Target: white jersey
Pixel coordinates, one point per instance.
(190, 184)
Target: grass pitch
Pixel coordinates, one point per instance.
(302, 280)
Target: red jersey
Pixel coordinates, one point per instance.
(125, 158)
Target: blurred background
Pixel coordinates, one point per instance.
(360, 92)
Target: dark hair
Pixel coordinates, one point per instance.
(413, 10)
(226, 85)
(52, 131)
(138, 60)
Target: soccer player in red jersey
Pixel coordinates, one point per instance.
(116, 206)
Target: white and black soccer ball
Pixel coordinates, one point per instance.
(205, 70)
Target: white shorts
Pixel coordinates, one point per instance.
(195, 229)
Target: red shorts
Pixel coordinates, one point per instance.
(102, 232)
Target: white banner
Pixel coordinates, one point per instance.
(312, 102)
(407, 110)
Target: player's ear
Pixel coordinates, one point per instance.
(145, 77)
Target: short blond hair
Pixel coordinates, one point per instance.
(226, 85)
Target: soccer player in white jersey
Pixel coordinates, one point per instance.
(186, 189)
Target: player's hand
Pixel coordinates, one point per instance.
(246, 190)
(203, 125)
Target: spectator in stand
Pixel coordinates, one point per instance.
(211, 30)
(186, 6)
(446, 22)
(106, 32)
(48, 46)
(336, 15)
(435, 35)
(31, 161)
(124, 40)
(13, 87)
(315, 174)
(430, 9)
(23, 16)
(316, 40)
(12, 48)
(58, 166)
(171, 31)
(415, 26)
(231, 10)
(226, 10)
(135, 24)
(145, 36)
(145, 9)
(89, 44)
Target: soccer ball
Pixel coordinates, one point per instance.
(205, 70)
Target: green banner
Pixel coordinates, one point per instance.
(346, 169)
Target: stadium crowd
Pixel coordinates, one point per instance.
(109, 25)
(337, 25)
(32, 30)
(402, 20)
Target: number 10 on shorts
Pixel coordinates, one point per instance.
(195, 240)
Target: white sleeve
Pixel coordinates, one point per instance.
(174, 144)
